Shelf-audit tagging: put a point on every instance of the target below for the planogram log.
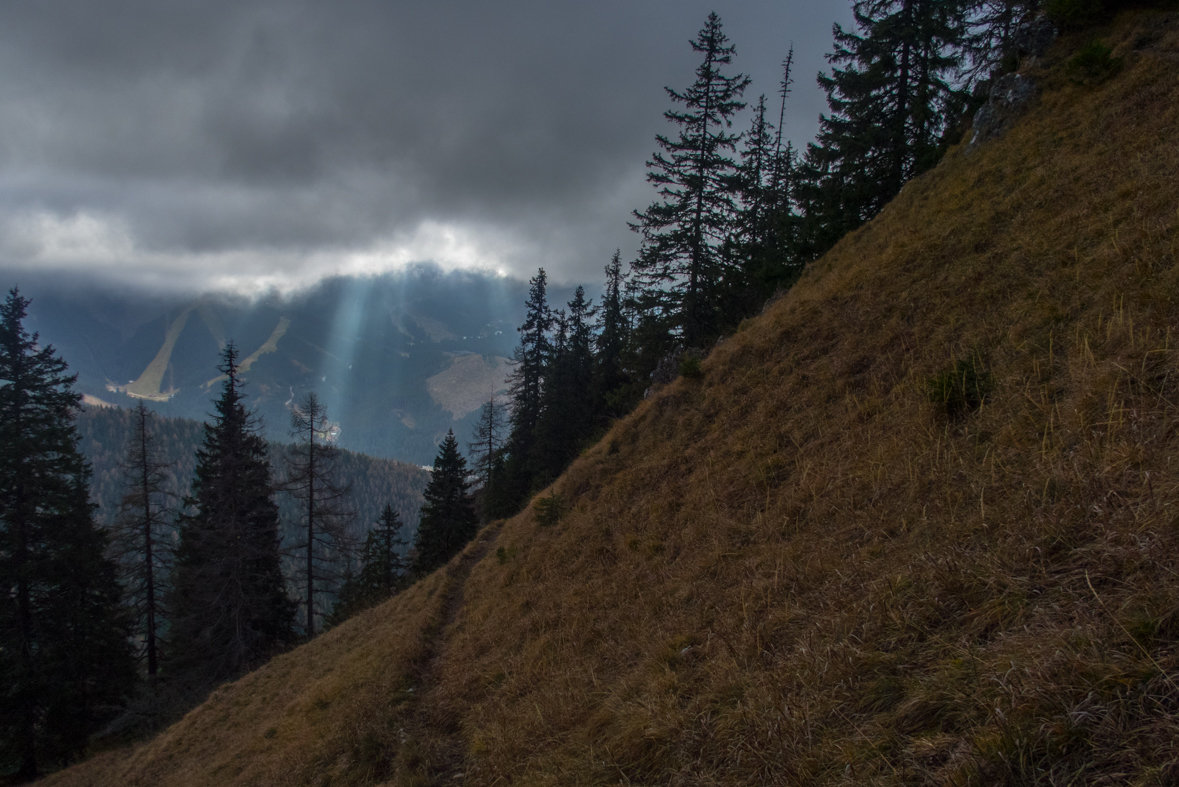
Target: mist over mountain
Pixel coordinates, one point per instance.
(399, 359)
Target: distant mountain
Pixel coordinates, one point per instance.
(398, 359)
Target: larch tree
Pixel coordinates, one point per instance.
(313, 481)
(141, 536)
(65, 657)
(228, 605)
(488, 442)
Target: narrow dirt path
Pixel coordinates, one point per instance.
(440, 752)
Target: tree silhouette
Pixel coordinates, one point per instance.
(65, 660)
(681, 264)
(228, 604)
(448, 519)
(313, 480)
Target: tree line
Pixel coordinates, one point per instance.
(738, 216)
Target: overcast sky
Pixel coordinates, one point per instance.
(246, 144)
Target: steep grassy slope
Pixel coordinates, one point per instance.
(798, 569)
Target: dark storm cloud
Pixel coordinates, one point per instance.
(218, 142)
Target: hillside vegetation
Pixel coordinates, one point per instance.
(815, 563)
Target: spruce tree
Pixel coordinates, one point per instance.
(991, 33)
(228, 604)
(448, 519)
(65, 659)
(567, 415)
(312, 480)
(383, 567)
(382, 570)
(612, 334)
(681, 264)
(531, 358)
(892, 100)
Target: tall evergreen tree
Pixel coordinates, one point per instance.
(567, 416)
(612, 336)
(681, 263)
(65, 659)
(312, 480)
(532, 357)
(892, 98)
(228, 604)
(448, 519)
(142, 540)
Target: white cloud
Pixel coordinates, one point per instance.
(95, 244)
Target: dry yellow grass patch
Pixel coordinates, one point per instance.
(330, 711)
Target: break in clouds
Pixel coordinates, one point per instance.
(250, 145)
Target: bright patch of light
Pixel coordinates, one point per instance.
(93, 243)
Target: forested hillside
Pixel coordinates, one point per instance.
(913, 524)
(373, 482)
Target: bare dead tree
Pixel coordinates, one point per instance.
(142, 543)
(312, 480)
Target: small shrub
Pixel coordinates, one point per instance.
(549, 509)
(962, 389)
(690, 368)
(1093, 64)
(505, 555)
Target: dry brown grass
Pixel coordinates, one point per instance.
(797, 569)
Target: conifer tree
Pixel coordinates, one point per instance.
(488, 442)
(681, 264)
(383, 567)
(448, 519)
(612, 336)
(228, 604)
(141, 539)
(65, 660)
(567, 409)
(531, 359)
(991, 33)
(382, 570)
(312, 480)
(892, 100)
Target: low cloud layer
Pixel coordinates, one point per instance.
(251, 144)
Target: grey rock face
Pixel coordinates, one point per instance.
(1008, 99)
(1035, 36)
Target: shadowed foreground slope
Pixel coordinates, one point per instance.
(798, 569)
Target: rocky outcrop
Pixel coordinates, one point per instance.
(1034, 37)
(1008, 99)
